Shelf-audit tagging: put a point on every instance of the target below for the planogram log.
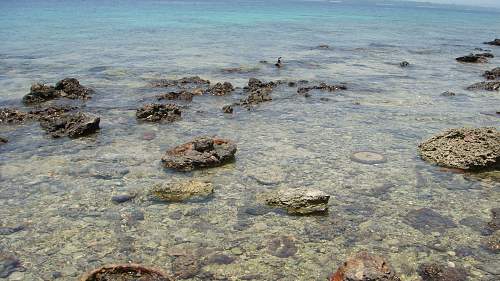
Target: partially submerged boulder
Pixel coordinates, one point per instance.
(192, 81)
(404, 64)
(495, 42)
(464, 148)
(182, 191)
(321, 87)
(125, 272)
(3, 140)
(365, 267)
(475, 58)
(159, 112)
(179, 95)
(220, 89)
(485, 86)
(258, 92)
(300, 201)
(69, 88)
(436, 272)
(227, 109)
(203, 152)
(73, 125)
(492, 74)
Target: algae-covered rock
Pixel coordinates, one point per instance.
(299, 201)
(202, 152)
(365, 267)
(464, 148)
(182, 191)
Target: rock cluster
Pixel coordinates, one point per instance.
(464, 148)
(68, 88)
(365, 267)
(220, 89)
(475, 58)
(184, 82)
(203, 152)
(492, 74)
(159, 112)
(258, 92)
(299, 201)
(322, 87)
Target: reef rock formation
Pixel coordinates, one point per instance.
(12, 116)
(179, 95)
(159, 112)
(300, 201)
(365, 267)
(464, 148)
(475, 58)
(69, 88)
(436, 272)
(203, 152)
(258, 92)
(492, 74)
(485, 86)
(185, 82)
(220, 89)
(73, 125)
(322, 87)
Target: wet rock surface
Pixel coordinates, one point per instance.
(182, 82)
(73, 125)
(220, 89)
(464, 148)
(495, 42)
(436, 272)
(484, 86)
(321, 87)
(126, 272)
(492, 74)
(299, 201)
(227, 109)
(12, 116)
(68, 88)
(257, 92)
(8, 265)
(203, 152)
(365, 267)
(182, 191)
(282, 246)
(427, 220)
(179, 95)
(159, 112)
(475, 58)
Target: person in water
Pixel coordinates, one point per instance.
(278, 63)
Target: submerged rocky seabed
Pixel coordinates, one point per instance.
(290, 178)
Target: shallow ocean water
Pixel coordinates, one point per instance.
(61, 190)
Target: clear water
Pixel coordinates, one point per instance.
(61, 189)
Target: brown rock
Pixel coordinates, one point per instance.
(71, 88)
(12, 116)
(159, 112)
(186, 266)
(125, 272)
(492, 74)
(365, 267)
(435, 272)
(180, 95)
(203, 152)
(220, 89)
(73, 125)
(183, 82)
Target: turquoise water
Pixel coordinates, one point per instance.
(60, 190)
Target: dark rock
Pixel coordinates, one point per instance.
(182, 191)
(71, 88)
(3, 140)
(258, 92)
(475, 224)
(475, 58)
(435, 272)
(180, 95)
(125, 272)
(227, 109)
(323, 46)
(292, 84)
(494, 224)
(492, 243)
(122, 198)
(203, 152)
(155, 112)
(404, 64)
(220, 259)
(186, 266)
(50, 112)
(322, 87)
(220, 89)
(8, 265)
(448, 94)
(12, 116)
(464, 148)
(365, 267)
(282, 247)
(485, 86)
(492, 74)
(73, 125)
(183, 82)
(299, 201)
(56, 274)
(40, 93)
(427, 220)
(495, 42)
(10, 230)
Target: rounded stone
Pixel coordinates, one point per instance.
(368, 157)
